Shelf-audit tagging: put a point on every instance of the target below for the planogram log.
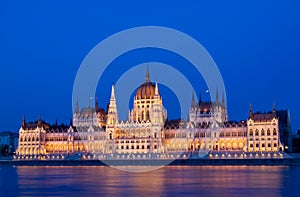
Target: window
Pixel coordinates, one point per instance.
(251, 132)
(262, 132)
(256, 145)
(256, 132)
(274, 132)
(251, 145)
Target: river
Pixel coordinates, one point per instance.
(167, 181)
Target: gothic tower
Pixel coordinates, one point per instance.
(112, 114)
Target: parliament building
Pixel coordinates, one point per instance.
(99, 134)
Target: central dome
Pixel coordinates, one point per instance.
(147, 89)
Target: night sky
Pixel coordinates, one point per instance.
(256, 45)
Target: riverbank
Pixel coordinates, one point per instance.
(178, 162)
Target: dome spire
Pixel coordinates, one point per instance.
(147, 74)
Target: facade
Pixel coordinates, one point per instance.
(263, 132)
(147, 132)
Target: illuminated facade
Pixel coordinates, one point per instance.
(100, 134)
(263, 132)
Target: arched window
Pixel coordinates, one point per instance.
(251, 132)
(262, 132)
(143, 115)
(268, 132)
(274, 132)
(256, 132)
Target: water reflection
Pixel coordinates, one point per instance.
(167, 181)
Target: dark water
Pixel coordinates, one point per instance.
(167, 181)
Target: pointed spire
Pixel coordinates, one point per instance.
(112, 113)
(129, 116)
(89, 104)
(77, 107)
(40, 121)
(193, 99)
(112, 95)
(156, 89)
(274, 108)
(147, 74)
(23, 122)
(223, 100)
(217, 96)
(97, 105)
(250, 111)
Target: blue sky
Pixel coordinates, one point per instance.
(255, 44)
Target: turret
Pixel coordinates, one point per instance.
(250, 111)
(112, 116)
(96, 105)
(223, 101)
(193, 100)
(39, 122)
(200, 98)
(274, 108)
(77, 107)
(23, 122)
(217, 97)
